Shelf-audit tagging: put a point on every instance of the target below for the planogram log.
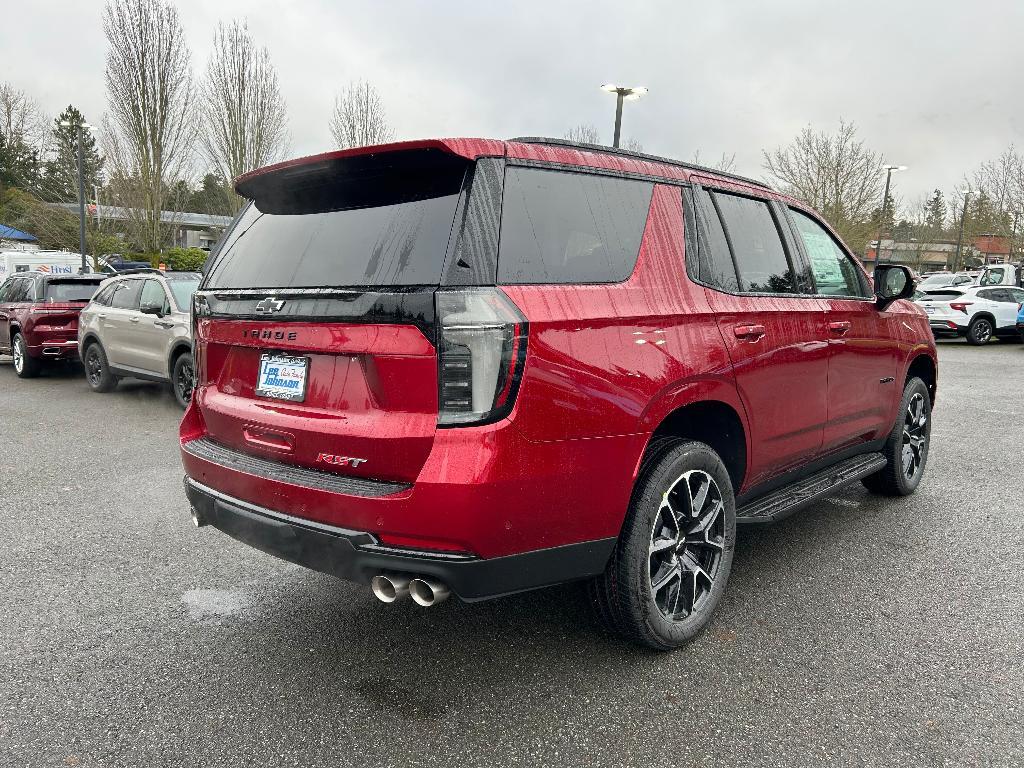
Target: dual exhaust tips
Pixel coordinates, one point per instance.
(389, 588)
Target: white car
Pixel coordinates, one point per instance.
(978, 313)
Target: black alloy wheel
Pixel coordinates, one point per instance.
(687, 542)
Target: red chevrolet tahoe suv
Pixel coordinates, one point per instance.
(39, 317)
(480, 367)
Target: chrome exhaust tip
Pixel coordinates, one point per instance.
(389, 587)
(427, 592)
(197, 521)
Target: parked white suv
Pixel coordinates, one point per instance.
(977, 313)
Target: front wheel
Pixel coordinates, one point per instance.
(673, 557)
(906, 449)
(182, 379)
(97, 370)
(26, 366)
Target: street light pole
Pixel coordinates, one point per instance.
(885, 200)
(960, 239)
(79, 128)
(81, 203)
(621, 95)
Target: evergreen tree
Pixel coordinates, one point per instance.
(935, 214)
(890, 215)
(61, 171)
(214, 197)
(19, 163)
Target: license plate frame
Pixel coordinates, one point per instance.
(267, 389)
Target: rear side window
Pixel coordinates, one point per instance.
(77, 290)
(834, 273)
(126, 295)
(102, 296)
(562, 227)
(20, 291)
(760, 256)
(716, 265)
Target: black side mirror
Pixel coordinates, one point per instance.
(892, 282)
(151, 309)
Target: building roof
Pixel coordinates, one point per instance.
(10, 233)
(167, 217)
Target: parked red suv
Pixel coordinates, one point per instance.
(482, 367)
(39, 317)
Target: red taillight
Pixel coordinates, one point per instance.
(481, 349)
(960, 305)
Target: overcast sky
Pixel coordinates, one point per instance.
(935, 85)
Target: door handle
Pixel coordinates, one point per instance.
(162, 324)
(839, 326)
(133, 319)
(102, 317)
(749, 332)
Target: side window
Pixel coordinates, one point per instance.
(987, 295)
(19, 290)
(153, 295)
(126, 294)
(1002, 294)
(760, 256)
(561, 227)
(992, 276)
(1017, 294)
(102, 297)
(716, 265)
(5, 289)
(834, 273)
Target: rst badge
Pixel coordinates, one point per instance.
(339, 461)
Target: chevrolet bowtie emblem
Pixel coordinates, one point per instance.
(268, 305)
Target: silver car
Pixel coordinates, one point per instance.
(138, 326)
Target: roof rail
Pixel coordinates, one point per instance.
(638, 156)
(137, 271)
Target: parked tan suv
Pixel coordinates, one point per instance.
(137, 326)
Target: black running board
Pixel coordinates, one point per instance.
(782, 503)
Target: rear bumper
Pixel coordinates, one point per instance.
(942, 327)
(53, 349)
(358, 556)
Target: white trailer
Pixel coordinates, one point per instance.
(54, 262)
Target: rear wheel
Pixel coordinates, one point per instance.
(182, 379)
(906, 449)
(979, 331)
(97, 370)
(672, 561)
(26, 366)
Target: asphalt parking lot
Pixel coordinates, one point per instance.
(863, 631)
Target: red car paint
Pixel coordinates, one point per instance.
(606, 364)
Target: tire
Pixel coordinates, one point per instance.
(661, 545)
(183, 378)
(979, 331)
(97, 369)
(906, 449)
(26, 366)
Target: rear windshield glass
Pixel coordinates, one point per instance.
(182, 291)
(561, 227)
(365, 221)
(79, 290)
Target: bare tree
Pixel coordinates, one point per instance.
(359, 119)
(244, 115)
(726, 163)
(834, 173)
(151, 129)
(21, 118)
(583, 134)
(1000, 182)
(633, 145)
